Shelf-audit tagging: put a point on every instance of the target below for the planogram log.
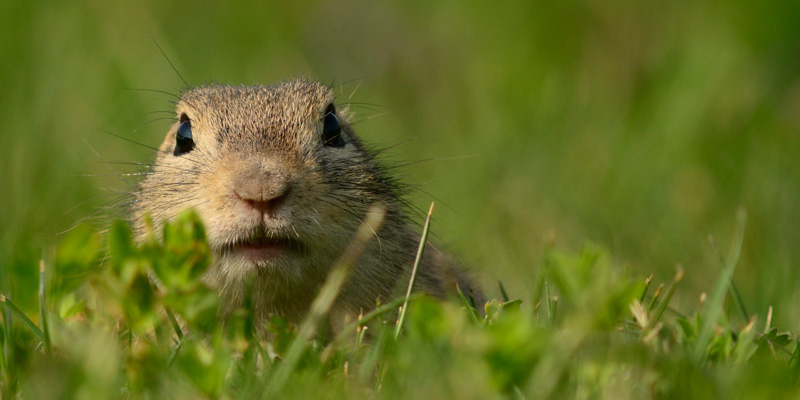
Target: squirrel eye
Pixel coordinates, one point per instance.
(331, 130)
(183, 139)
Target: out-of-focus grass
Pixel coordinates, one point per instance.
(606, 335)
(642, 127)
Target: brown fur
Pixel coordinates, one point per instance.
(266, 141)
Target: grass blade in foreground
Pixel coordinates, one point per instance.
(737, 298)
(43, 309)
(326, 297)
(422, 241)
(670, 291)
(5, 375)
(476, 318)
(24, 318)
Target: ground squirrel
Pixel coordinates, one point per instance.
(281, 182)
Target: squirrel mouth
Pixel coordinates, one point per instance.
(265, 248)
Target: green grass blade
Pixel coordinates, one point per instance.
(714, 306)
(646, 287)
(737, 298)
(175, 353)
(5, 374)
(548, 306)
(178, 332)
(503, 291)
(43, 309)
(540, 281)
(554, 305)
(420, 251)
(24, 318)
(472, 313)
(654, 300)
(668, 296)
(174, 322)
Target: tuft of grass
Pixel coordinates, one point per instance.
(596, 335)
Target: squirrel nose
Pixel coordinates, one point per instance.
(262, 189)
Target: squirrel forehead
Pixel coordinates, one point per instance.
(299, 99)
(250, 112)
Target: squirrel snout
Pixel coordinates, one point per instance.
(262, 189)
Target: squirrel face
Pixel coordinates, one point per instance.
(275, 173)
(281, 183)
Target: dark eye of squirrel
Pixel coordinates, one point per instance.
(183, 140)
(331, 130)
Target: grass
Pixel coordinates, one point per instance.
(609, 337)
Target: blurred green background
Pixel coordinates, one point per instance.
(641, 126)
